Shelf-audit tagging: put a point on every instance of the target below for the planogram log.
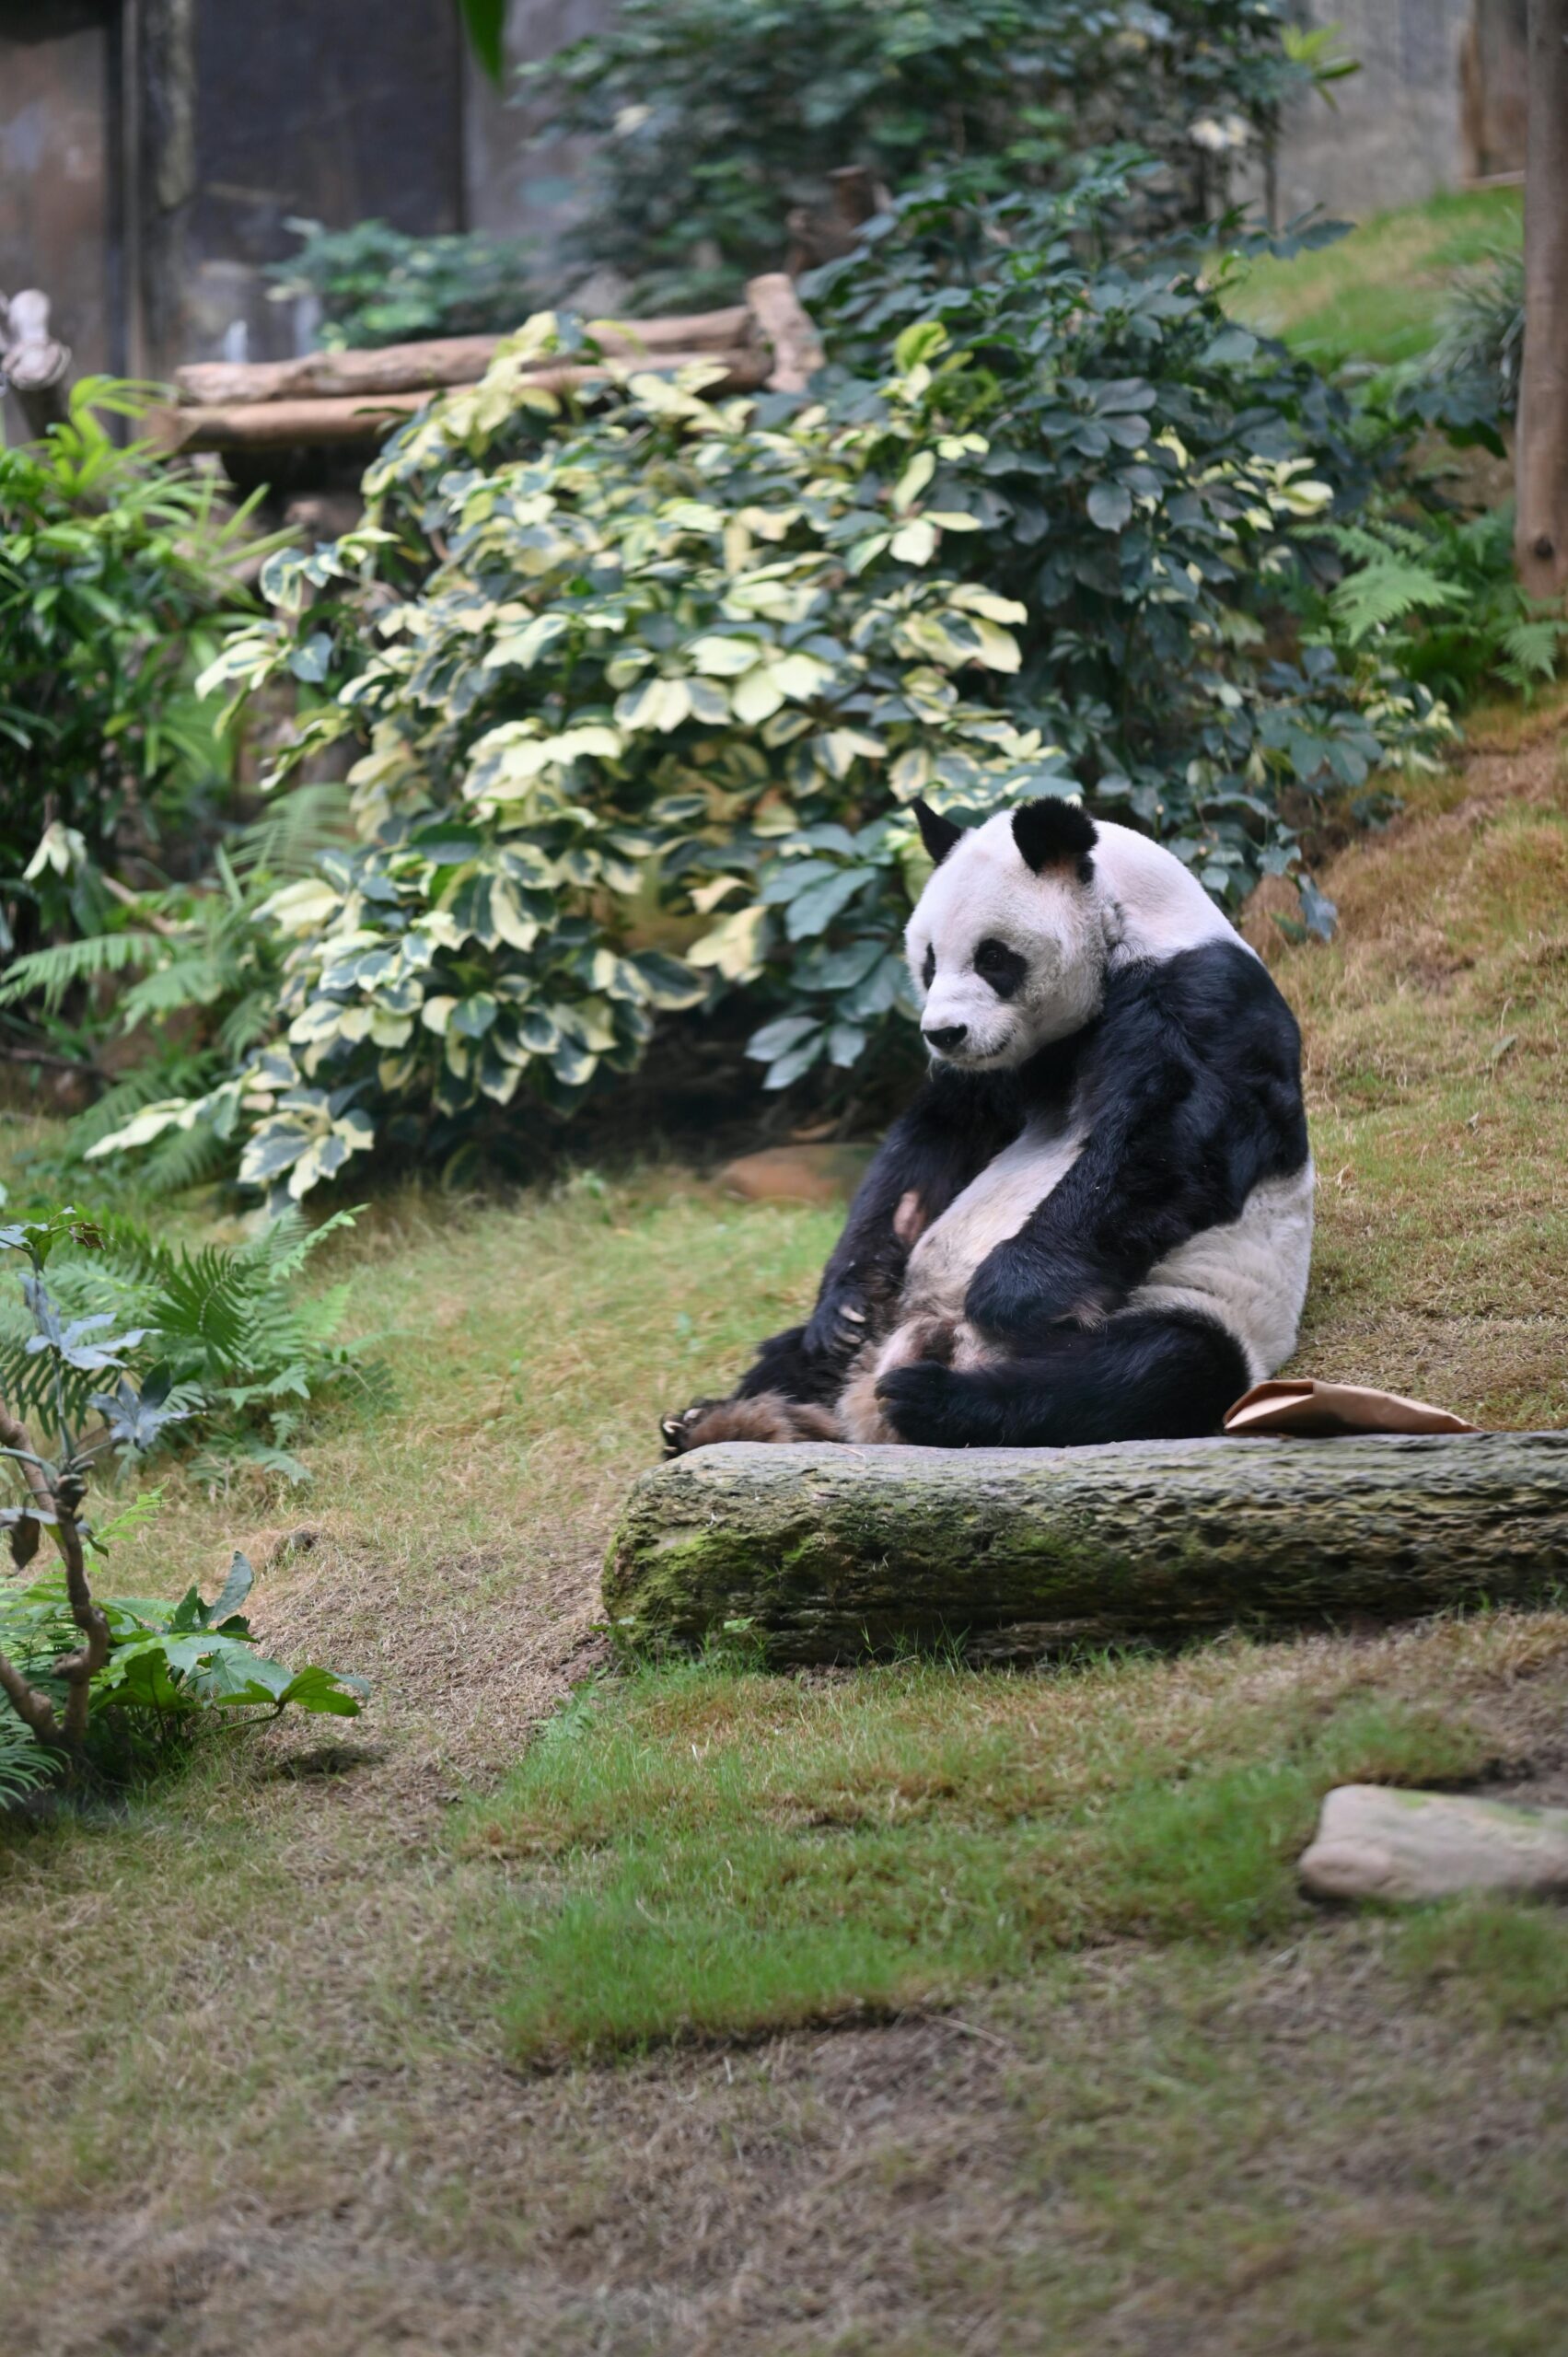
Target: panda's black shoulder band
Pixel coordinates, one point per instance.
(1051, 834)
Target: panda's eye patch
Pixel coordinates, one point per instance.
(928, 970)
(1001, 966)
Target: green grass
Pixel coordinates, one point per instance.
(721, 1853)
(1378, 295)
(1509, 1962)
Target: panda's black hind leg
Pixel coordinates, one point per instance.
(1144, 1375)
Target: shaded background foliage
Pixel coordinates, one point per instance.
(717, 117)
(376, 286)
(115, 588)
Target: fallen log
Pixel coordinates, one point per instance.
(369, 418)
(831, 1553)
(789, 329)
(273, 424)
(443, 360)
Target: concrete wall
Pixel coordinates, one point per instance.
(514, 186)
(1396, 133)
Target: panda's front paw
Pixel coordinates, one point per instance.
(682, 1431)
(837, 1326)
(925, 1404)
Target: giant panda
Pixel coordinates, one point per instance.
(1095, 1221)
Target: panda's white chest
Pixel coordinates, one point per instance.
(990, 1209)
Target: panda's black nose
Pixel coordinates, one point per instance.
(947, 1035)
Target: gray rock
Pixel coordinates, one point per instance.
(1375, 1843)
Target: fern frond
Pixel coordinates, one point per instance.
(180, 1075)
(1532, 646)
(1385, 592)
(247, 1022)
(1373, 544)
(52, 971)
(24, 1762)
(192, 977)
(216, 1465)
(242, 1346)
(184, 1158)
(292, 833)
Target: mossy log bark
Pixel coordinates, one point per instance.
(832, 1552)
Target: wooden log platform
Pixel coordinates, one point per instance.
(830, 1553)
(324, 422)
(344, 402)
(442, 360)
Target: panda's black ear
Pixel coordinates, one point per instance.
(938, 834)
(1055, 834)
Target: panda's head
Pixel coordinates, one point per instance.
(1008, 943)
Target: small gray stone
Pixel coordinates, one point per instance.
(1374, 1841)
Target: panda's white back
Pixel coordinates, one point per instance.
(1163, 908)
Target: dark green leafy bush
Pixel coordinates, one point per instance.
(642, 691)
(715, 117)
(114, 589)
(378, 285)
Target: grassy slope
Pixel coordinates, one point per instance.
(1376, 294)
(267, 2027)
(1434, 1034)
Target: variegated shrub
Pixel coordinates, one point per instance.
(640, 683)
(629, 666)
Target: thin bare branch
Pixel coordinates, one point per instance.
(35, 1710)
(14, 1435)
(80, 1666)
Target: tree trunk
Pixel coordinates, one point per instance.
(1541, 545)
(830, 1552)
(165, 171)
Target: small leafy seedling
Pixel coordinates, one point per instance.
(70, 1662)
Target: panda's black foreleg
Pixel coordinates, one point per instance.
(787, 1363)
(1145, 1374)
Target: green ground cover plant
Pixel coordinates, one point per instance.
(227, 1337)
(1435, 593)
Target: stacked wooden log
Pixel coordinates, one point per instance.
(339, 400)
